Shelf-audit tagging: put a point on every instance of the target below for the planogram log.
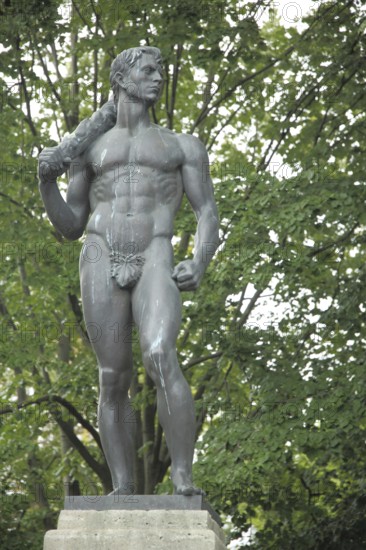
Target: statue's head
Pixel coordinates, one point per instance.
(139, 72)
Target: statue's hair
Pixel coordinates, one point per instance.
(124, 62)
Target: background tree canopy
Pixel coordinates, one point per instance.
(273, 343)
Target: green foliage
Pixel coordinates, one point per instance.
(273, 342)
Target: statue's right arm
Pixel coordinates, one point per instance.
(68, 217)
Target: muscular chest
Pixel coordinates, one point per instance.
(154, 148)
(147, 165)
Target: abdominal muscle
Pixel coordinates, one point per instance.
(129, 232)
(134, 217)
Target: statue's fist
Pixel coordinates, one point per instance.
(188, 275)
(51, 165)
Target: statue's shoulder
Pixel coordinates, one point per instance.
(191, 146)
(167, 135)
(163, 130)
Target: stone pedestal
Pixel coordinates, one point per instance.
(151, 522)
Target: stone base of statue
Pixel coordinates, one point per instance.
(136, 523)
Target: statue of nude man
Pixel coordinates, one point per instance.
(127, 180)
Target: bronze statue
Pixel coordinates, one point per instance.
(127, 180)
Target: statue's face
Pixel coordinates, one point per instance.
(145, 80)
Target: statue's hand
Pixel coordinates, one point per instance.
(51, 165)
(188, 274)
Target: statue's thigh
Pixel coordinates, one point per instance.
(107, 313)
(157, 306)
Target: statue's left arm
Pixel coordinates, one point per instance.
(198, 187)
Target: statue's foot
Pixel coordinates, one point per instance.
(183, 485)
(125, 489)
(188, 490)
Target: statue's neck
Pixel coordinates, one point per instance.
(133, 115)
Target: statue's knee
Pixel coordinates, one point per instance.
(111, 380)
(157, 364)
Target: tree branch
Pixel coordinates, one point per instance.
(206, 110)
(195, 362)
(96, 466)
(18, 204)
(244, 317)
(341, 239)
(26, 95)
(174, 84)
(67, 405)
